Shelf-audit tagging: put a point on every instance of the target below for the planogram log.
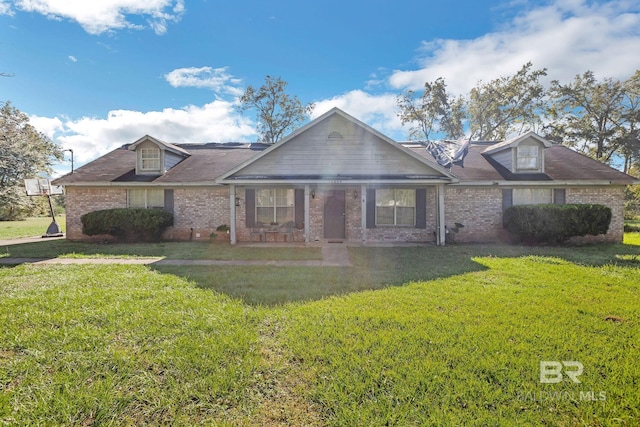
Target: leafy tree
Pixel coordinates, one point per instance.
(24, 153)
(507, 104)
(630, 138)
(587, 115)
(276, 111)
(433, 110)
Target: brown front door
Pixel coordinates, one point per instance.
(334, 215)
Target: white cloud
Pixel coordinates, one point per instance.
(5, 8)
(567, 37)
(99, 16)
(91, 137)
(216, 79)
(72, 58)
(378, 111)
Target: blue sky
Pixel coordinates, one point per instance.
(94, 75)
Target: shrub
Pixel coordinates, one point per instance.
(632, 228)
(556, 223)
(127, 224)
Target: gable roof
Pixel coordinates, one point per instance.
(514, 142)
(203, 166)
(319, 152)
(562, 166)
(167, 146)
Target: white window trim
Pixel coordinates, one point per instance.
(274, 217)
(157, 157)
(532, 189)
(146, 198)
(395, 212)
(538, 158)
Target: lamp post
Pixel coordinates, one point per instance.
(71, 151)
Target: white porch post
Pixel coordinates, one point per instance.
(232, 220)
(363, 220)
(306, 214)
(441, 220)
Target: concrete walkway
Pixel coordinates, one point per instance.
(333, 255)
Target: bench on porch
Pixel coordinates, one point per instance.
(263, 230)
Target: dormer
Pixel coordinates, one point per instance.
(523, 154)
(155, 157)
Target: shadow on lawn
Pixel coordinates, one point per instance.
(380, 267)
(372, 268)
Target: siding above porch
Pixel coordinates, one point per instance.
(337, 148)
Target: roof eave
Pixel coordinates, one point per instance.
(552, 183)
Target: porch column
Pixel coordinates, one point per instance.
(232, 220)
(441, 235)
(363, 219)
(307, 227)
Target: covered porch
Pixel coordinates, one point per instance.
(338, 212)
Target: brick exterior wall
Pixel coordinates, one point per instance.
(612, 196)
(82, 200)
(202, 208)
(479, 209)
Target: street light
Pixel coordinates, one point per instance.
(71, 151)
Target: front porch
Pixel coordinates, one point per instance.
(353, 214)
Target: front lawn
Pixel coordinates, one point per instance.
(172, 250)
(457, 339)
(31, 227)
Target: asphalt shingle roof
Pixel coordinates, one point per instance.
(209, 161)
(561, 164)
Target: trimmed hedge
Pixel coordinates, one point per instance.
(127, 224)
(556, 223)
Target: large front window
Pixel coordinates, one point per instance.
(275, 206)
(150, 159)
(532, 196)
(145, 198)
(395, 207)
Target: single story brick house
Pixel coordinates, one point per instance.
(338, 179)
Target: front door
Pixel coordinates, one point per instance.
(334, 215)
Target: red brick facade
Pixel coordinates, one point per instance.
(198, 211)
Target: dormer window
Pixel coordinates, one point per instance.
(149, 159)
(528, 157)
(523, 154)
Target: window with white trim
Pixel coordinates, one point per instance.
(145, 198)
(528, 157)
(150, 159)
(275, 205)
(395, 206)
(532, 196)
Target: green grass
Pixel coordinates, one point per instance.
(30, 227)
(407, 336)
(466, 350)
(119, 344)
(173, 250)
(632, 239)
(377, 268)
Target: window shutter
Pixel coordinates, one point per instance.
(371, 208)
(507, 199)
(421, 208)
(559, 196)
(299, 207)
(168, 200)
(250, 207)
